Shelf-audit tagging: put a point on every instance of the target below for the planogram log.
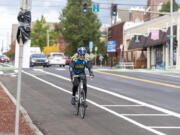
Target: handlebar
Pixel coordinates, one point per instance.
(74, 76)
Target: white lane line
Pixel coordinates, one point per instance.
(165, 127)
(38, 69)
(104, 108)
(16, 71)
(122, 97)
(60, 69)
(122, 105)
(146, 115)
(1, 72)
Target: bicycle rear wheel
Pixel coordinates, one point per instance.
(82, 107)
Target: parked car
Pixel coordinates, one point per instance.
(4, 58)
(38, 60)
(67, 60)
(56, 58)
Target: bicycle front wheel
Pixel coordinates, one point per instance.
(82, 107)
(77, 105)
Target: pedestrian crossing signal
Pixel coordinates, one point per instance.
(114, 9)
(85, 7)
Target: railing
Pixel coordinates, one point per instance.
(125, 65)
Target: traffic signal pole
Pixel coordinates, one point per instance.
(24, 5)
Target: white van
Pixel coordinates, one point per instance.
(56, 58)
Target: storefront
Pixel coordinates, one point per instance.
(136, 52)
(156, 47)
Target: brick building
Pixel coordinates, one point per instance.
(138, 14)
(153, 6)
(115, 33)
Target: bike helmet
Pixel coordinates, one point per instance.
(82, 50)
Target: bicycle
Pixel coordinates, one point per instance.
(80, 99)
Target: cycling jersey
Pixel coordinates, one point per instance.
(78, 66)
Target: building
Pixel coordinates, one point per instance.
(153, 6)
(151, 41)
(140, 14)
(115, 33)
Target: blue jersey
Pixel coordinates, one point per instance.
(78, 66)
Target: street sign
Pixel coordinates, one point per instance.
(90, 45)
(111, 46)
(171, 36)
(95, 7)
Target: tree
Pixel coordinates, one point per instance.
(166, 7)
(78, 28)
(11, 52)
(39, 34)
(49, 49)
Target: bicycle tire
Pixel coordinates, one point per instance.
(82, 105)
(77, 105)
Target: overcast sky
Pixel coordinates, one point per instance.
(51, 9)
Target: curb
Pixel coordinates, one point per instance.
(23, 111)
(138, 70)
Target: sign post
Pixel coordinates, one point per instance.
(90, 46)
(111, 47)
(23, 34)
(96, 48)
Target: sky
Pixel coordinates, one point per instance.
(51, 9)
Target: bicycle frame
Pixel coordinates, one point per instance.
(80, 99)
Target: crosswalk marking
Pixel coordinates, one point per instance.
(1, 72)
(60, 69)
(38, 69)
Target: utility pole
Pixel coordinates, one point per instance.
(111, 26)
(2, 47)
(171, 37)
(111, 14)
(47, 33)
(8, 45)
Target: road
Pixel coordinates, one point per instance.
(119, 103)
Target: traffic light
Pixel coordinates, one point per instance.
(114, 9)
(85, 7)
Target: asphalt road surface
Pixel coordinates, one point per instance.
(119, 103)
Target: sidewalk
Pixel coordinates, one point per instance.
(7, 117)
(115, 69)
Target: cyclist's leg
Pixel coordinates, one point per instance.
(74, 90)
(75, 86)
(85, 85)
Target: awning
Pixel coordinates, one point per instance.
(137, 42)
(159, 38)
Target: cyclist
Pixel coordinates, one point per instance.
(77, 65)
